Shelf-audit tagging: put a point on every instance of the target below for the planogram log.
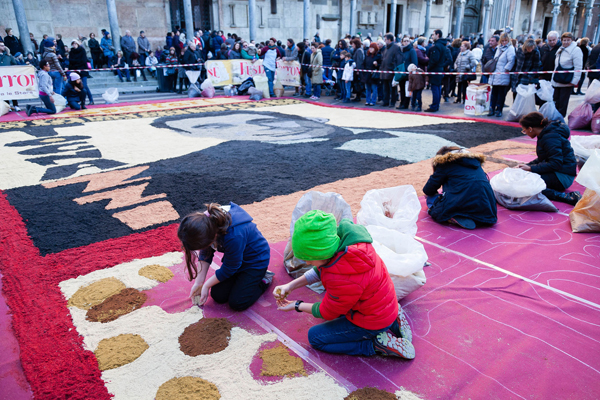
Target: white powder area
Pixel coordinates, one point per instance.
(404, 394)
(351, 117)
(229, 369)
(126, 273)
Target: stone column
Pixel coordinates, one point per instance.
(393, 17)
(487, 7)
(113, 20)
(427, 17)
(588, 17)
(189, 20)
(572, 13)
(252, 19)
(532, 16)
(555, 12)
(306, 30)
(23, 27)
(460, 12)
(352, 17)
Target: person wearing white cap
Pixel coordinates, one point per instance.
(74, 92)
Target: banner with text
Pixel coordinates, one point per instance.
(18, 82)
(234, 72)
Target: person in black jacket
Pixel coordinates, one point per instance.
(391, 57)
(555, 161)
(593, 64)
(410, 57)
(489, 51)
(12, 42)
(78, 61)
(438, 59)
(74, 92)
(468, 198)
(548, 54)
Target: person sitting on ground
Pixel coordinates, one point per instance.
(222, 53)
(555, 161)
(74, 92)
(46, 91)
(361, 312)
(152, 61)
(236, 51)
(32, 60)
(243, 276)
(467, 197)
(135, 62)
(118, 62)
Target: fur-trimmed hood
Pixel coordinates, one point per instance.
(471, 160)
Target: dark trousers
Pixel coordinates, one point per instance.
(242, 289)
(561, 99)
(120, 74)
(379, 90)
(580, 84)
(389, 93)
(87, 89)
(462, 91)
(498, 97)
(552, 182)
(50, 108)
(72, 101)
(416, 99)
(436, 93)
(404, 99)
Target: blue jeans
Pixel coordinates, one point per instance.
(340, 336)
(436, 93)
(57, 81)
(317, 90)
(328, 72)
(271, 77)
(86, 88)
(347, 89)
(50, 108)
(120, 74)
(416, 98)
(308, 83)
(371, 93)
(431, 199)
(484, 79)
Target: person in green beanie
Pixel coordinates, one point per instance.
(362, 315)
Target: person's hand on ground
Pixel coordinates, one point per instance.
(286, 305)
(282, 291)
(195, 291)
(203, 296)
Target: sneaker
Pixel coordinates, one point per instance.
(401, 329)
(17, 108)
(574, 198)
(463, 222)
(268, 278)
(387, 344)
(491, 113)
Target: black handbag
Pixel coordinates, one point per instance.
(563, 78)
(468, 77)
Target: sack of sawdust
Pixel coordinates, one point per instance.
(585, 216)
(332, 203)
(395, 208)
(4, 108)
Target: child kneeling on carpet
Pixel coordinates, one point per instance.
(243, 276)
(555, 161)
(467, 198)
(360, 304)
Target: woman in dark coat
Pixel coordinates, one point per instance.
(78, 61)
(467, 198)
(527, 59)
(371, 79)
(96, 51)
(410, 57)
(555, 161)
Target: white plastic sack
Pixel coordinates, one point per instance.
(110, 96)
(332, 203)
(395, 208)
(194, 91)
(589, 175)
(403, 256)
(592, 94)
(546, 91)
(4, 108)
(262, 83)
(255, 93)
(59, 102)
(477, 101)
(516, 182)
(524, 103)
(207, 88)
(583, 146)
(537, 202)
(548, 110)
(193, 76)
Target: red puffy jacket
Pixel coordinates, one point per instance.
(359, 286)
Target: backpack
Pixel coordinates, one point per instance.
(247, 84)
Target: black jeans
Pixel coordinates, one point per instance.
(242, 289)
(462, 91)
(404, 100)
(389, 92)
(552, 182)
(498, 97)
(561, 99)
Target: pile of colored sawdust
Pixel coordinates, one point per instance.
(156, 272)
(95, 293)
(370, 393)
(119, 350)
(124, 302)
(207, 336)
(187, 388)
(278, 362)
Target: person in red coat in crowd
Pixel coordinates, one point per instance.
(361, 312)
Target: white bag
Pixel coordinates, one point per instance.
(138, 73)
(403, 256)
(59, 102)
(524, 103)
(516, 182)
(192, 76)
(262, 83)
(548, 109)
(4, 108)
(332, 203)
(589, 175)
(583, 146)
(546, 91)
(207, 89)
(592, 94)
(111, 95)
(395, 208)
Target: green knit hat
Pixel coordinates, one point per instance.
(315, 236)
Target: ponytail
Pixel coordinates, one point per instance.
(197, 231)
(534, 120)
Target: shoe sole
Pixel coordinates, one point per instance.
(396, 347)
(405, 333)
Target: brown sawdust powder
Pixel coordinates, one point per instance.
(95, 293)
(156, 272)
(278, 362)
(273, 215)
(124, 302)
(119, 350)
(207, 336)
(187, 388)
(370, 393)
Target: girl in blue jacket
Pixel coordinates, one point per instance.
(243, 276)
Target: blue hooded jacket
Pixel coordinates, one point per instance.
(243, 246)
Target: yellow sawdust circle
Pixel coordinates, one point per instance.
(278, 362)
(156, 272)
(188, 388)
(95, 293)
(119, 350)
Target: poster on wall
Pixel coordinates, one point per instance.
(228, 72)
(18, 82)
